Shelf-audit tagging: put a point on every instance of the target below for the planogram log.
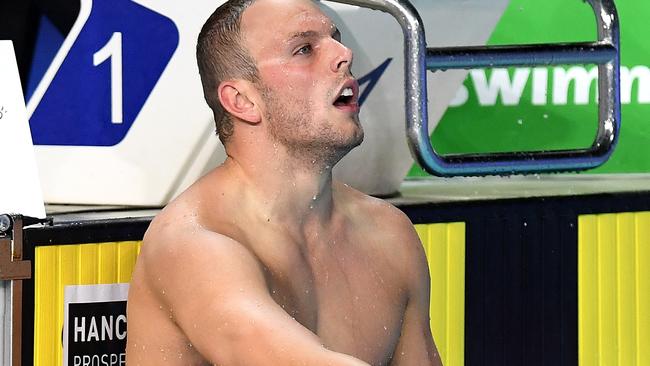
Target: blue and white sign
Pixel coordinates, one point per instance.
(113, 63)
(119, 117)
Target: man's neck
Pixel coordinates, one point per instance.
(289, 190)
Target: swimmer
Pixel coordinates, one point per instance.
(267, 260)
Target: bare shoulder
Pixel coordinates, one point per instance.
(377, 215)
(187, 242)
(187, 224)
(388, 229)
(178, 246)
(182, 267)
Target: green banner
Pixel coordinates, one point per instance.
(550, 108)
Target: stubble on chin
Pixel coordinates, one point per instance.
(306, 140)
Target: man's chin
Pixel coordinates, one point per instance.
(359, 137)
(353, 141)
(360, 133)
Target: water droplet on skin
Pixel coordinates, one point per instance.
(314, 198)
(385, 328)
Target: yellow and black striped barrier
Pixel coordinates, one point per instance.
(534, 281)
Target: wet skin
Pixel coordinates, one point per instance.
(348, 286)
(267, 260)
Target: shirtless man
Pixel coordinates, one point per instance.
(267, 260)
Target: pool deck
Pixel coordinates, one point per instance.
(430, 191)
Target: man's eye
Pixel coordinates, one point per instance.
(337, 35)
(304, 50)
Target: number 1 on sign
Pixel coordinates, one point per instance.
(113, 50)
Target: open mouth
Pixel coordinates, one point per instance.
(346, 97)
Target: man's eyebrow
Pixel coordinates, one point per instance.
(302, 35)
(336, 34)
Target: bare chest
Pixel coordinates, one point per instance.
(351, 299)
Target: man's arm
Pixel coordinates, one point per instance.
(216, 292)
(415, 346)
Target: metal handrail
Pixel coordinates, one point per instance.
(418, 58)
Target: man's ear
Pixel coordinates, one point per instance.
(235, 97)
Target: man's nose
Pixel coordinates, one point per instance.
(343, 58)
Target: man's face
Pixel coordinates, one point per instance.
(309, 95)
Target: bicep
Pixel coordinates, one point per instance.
(219, 299)
(416, 346)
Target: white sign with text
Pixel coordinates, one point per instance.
(94, 325)
(20, 189)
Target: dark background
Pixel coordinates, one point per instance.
(21, 20)
(97, 310)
